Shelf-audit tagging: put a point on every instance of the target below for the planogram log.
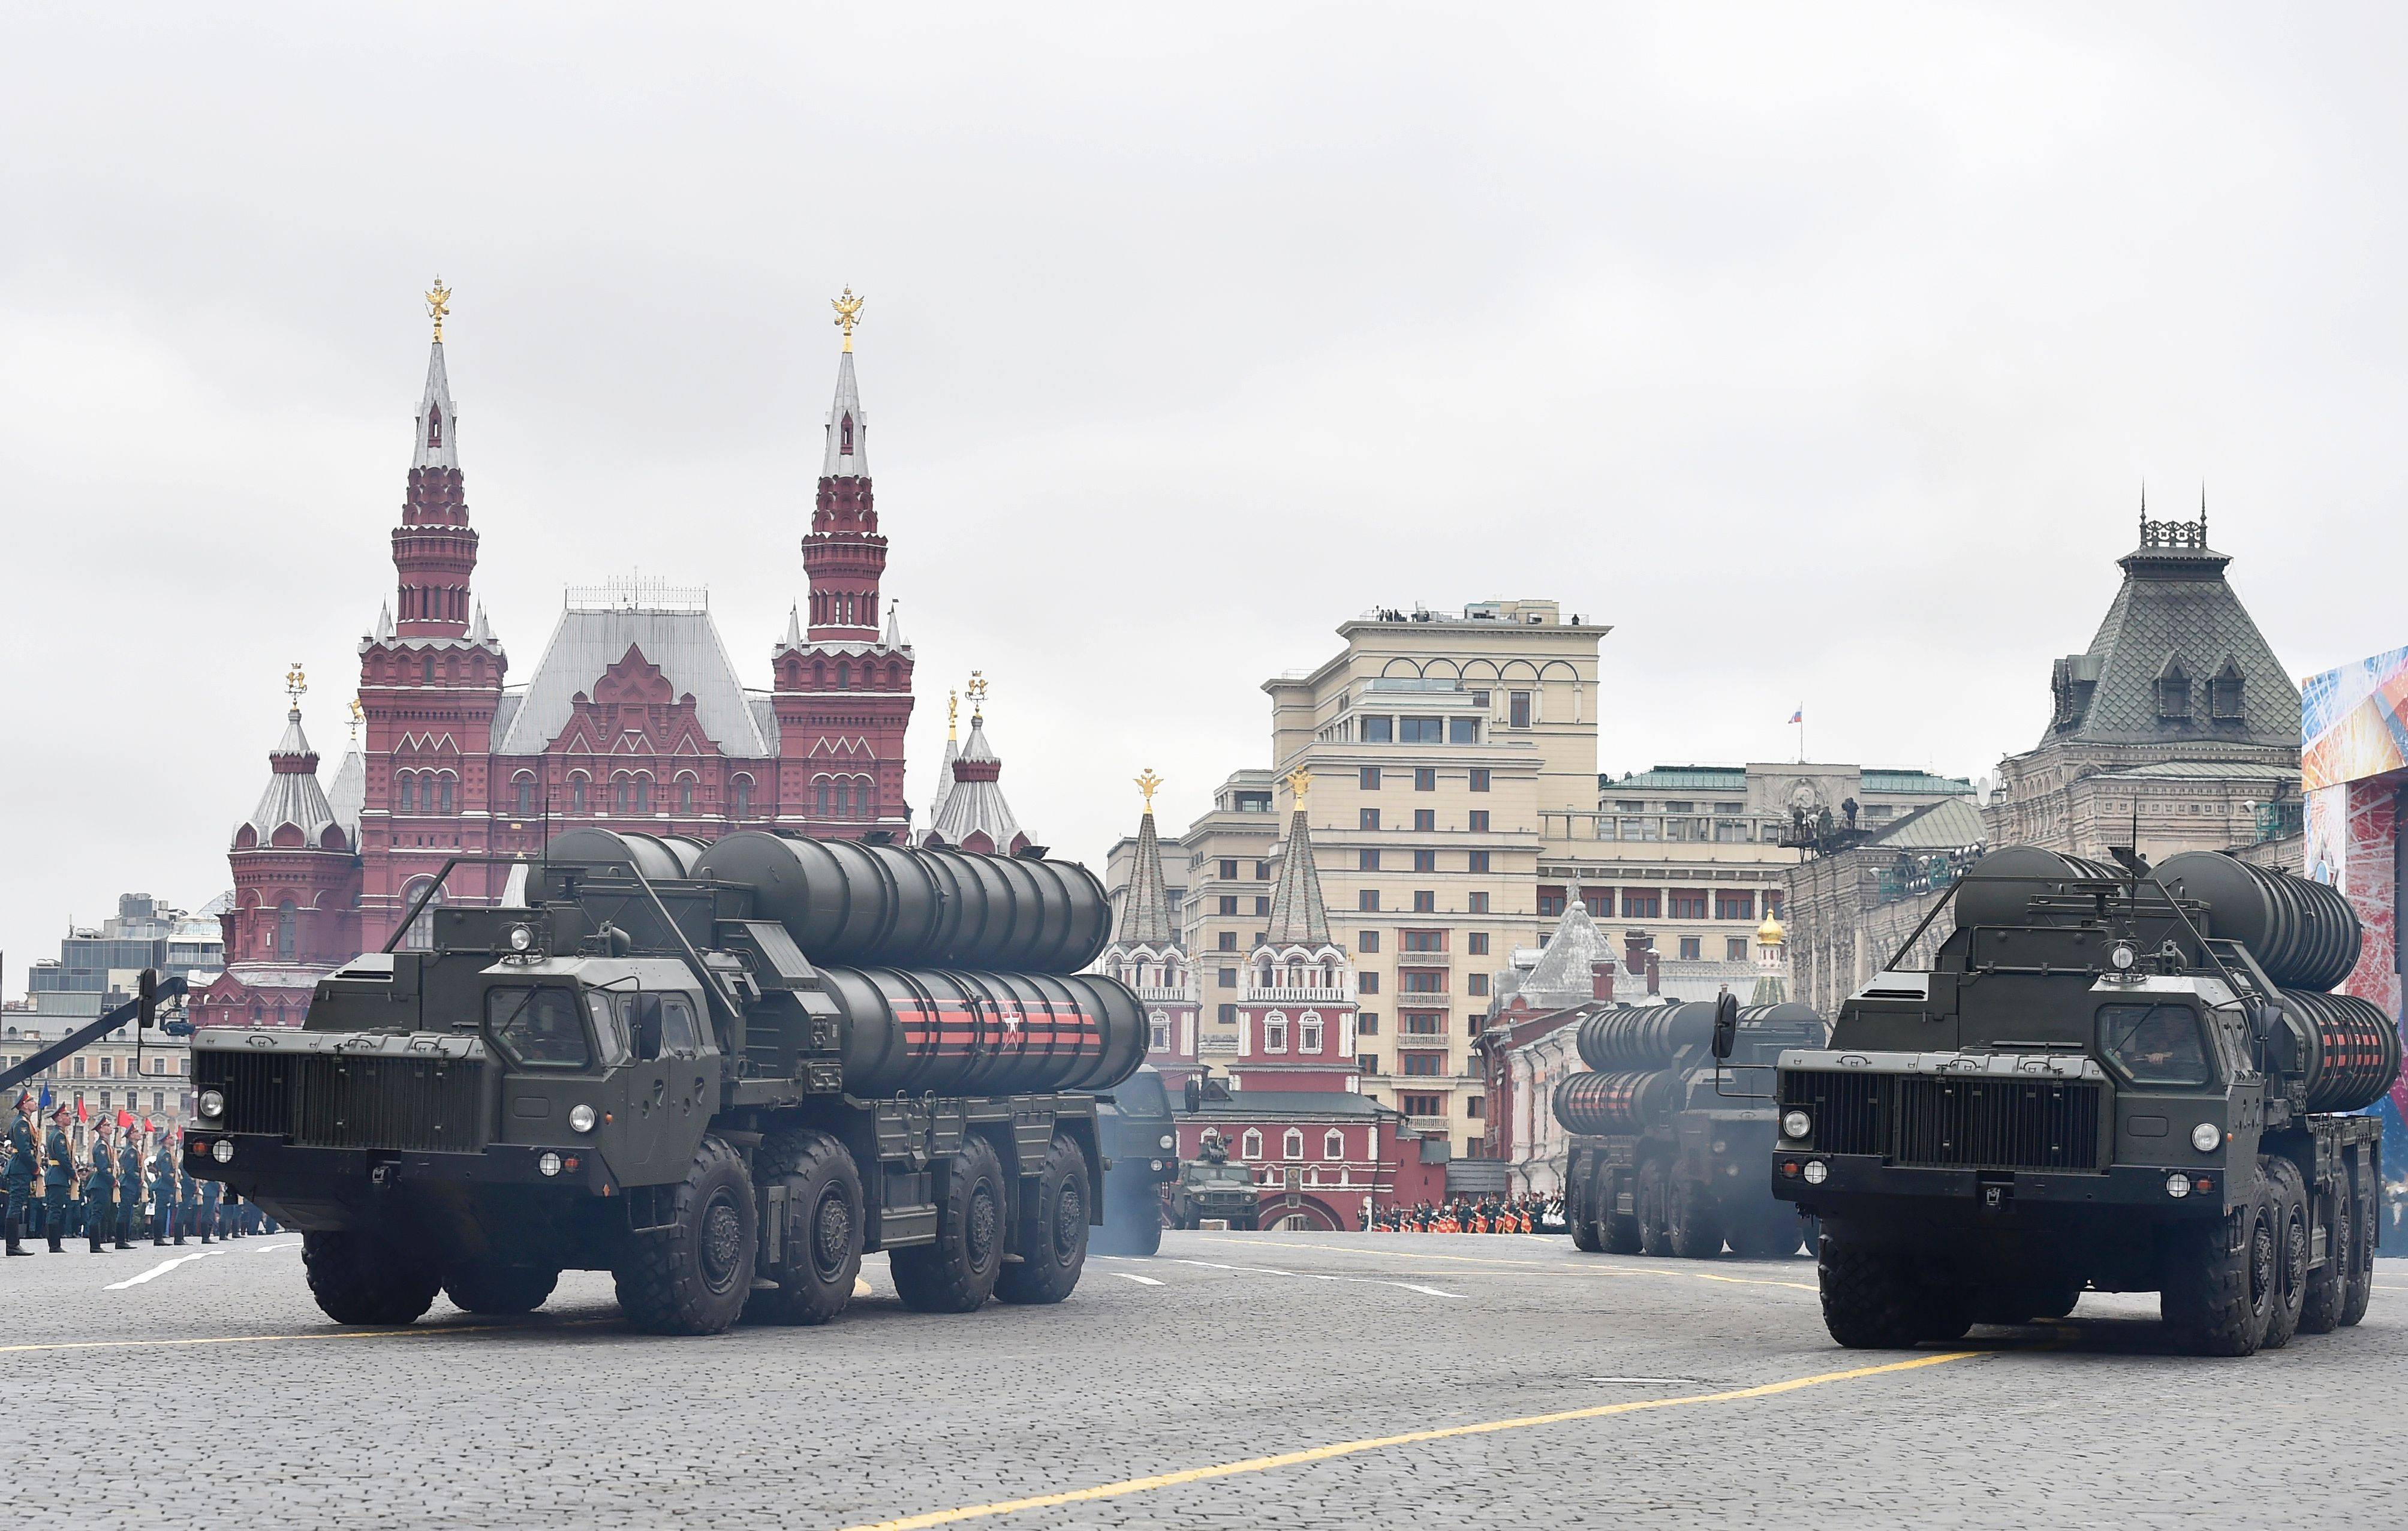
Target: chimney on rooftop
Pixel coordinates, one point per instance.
(1601, 979)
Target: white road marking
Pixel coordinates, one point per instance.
(1133, 1276)
(267, 1248)
(1317, 1276)
(158, 1270)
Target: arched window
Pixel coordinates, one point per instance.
(894, 675)
(420, 937)
(643, 794)
(2173, 691)
(2224, 692)
(743, 786)
(525, 784)
(820, 800)
(446, 779)
(1307, 1032)
(426, 668)
(1275, 1031)
(1292, 1146)
(619, 794)
(843, 675)
(1251, 1146)
(1160, 1025)
(407, 787)
(844, 434)
(288, 933)
(1334, 1145)
(433, 426)
(686, 795)
(576, 795)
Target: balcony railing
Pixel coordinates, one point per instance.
(1216, 1044)
(1425, 959)
(1421, 1038)
(1279, 994)
(1437, 1125)
(1182, 995)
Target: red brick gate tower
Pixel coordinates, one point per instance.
(430, 683)
(843, 693)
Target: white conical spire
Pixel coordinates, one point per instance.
(384, 630)
(794, 627)
(438, 423)
(894, 624)
(848, 427)
(479, 634)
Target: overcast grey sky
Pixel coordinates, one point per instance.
(1822, 351)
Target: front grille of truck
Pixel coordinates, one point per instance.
(258, 1089)
(389, 1103)
(330, 1100)
(1931, 1123)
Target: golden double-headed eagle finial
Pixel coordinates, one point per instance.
(848, 314)
(438, 303)
(295, 683)
(1147, 784)
(1300, 781)
(976, 692)
(952, 715)
(358, 716)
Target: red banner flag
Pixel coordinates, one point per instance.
(124, 1120)
(82, 1115)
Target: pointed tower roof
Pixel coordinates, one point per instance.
(945, 767)
(2176, 619)
(973, 814)
(1564, 972)
(293, 800)
(438, 435)
(1298, 917)
(1145, 909)
(848, 425)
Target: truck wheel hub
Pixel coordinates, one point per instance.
(831, 1235)
(723, 1244)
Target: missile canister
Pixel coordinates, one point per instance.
(2303, 934)
(2353, 1052)
(984, 1033)
(1620, 1102)
(847, 902)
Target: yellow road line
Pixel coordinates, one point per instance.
(1412, 1438)
(1584, 1267)
(325, 1334)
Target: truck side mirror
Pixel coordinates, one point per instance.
(1194, 1091)
(1725, 1025)
(146, 991)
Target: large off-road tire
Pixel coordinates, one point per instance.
(1697, 1228)
(2358, 1284)
(1589, 1236)
(1654, 1199)
(1132, 1220)
(2320, 1309)
(483, 1288)
(1870, 1299)
(819, 1249)
(2218, 1282)
(358, 1278)
(2291, 1233)
(1053, 1233)
(692, 1277)
(956, 1274)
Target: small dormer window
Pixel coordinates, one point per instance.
(844, 437)
(434, 427)
(2173, 692)
(2224, 692)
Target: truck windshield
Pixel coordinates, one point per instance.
(539, 1028)
(1141, 1094)
(2155, 1044)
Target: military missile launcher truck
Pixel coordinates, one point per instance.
(2114, 1078)
(1667, 1147)
(1142, 1140)
(721, 1073)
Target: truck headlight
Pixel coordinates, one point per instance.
(549, 1164)
(1817, 1172)
(521, 938)
(213, 1104)
(1168, 1142)
(223, 1151)
(580, 1118)
(2205, 1137)
(2178, 1185)
(1795, 1124)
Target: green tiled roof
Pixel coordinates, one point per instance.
(1951, 824)
(1679, 778)
(2217, 770)
(1913, 781)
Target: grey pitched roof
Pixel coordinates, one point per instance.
(976, 805)
(350, 793)
(944, 778)
(292, 795)
(682, 644)
(1950, 824)
(2174, 609)
(1299, 918)
(1564, 973)
(1268, 1104)
(840, 463)
(438, 424)
(1145, 910)
(1680, 779)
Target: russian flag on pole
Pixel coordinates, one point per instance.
(1799, 716)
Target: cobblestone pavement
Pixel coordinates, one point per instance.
(214, 1394)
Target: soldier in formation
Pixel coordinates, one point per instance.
(129, 1189)
(162, 1195)
(99, 1189)
(18, 1178)
(58, 1179)
(188, 1207)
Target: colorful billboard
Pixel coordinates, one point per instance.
(2354, 722)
